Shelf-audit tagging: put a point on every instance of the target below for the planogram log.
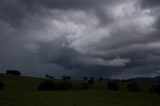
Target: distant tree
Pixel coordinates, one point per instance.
(64, 85)
(84, 86)
(85, 78)
(66, 77)
(49, 76)
(133, 87)
(13, 72)
(117, 80)
(123, 80)
(46, 75)
(155, 88)
(100, 79)
(1, 85)
(47, 85)
(91, 81)
(113, 85)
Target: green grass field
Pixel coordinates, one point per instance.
(22, 91)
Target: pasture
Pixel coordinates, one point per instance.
(22, 91)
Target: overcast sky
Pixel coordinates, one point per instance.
(109, 38)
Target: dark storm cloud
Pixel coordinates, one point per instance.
(16, 11)
(150, 3)
(89, 37)
(12, 12)
(65, 4)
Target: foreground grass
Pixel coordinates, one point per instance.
(21, 91)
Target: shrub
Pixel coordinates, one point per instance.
(155, 88)
(85, 78)
(133, 87)
(84, 86)
(69, 77)
(100, 79)
(49, 76)
(1, 85)
(112, 85)
(64, 85)
(13, 72)
(47, 85)
(123, 80)
(91, 81)
(66, 77)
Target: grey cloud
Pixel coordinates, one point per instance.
(67, 4)
(16, 11)
(150, 3)
(93, 37)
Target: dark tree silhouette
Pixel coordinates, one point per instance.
(100, 79)
(64, 85)
(112, 85)
(123, 80)
(49, 76)
(1, 85)
(47, 85)
(133, 87)
(13, 72)
(85, 78)
(91, 81)
(84, 86)
(66, 77)
(155, 88)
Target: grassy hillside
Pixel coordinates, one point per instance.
(22, 91)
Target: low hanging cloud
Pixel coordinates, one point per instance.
(93, 37)
(116, 62)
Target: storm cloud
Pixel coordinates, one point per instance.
(109, 38)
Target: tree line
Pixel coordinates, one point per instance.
(66, 84)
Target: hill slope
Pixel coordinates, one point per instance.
(21, 91)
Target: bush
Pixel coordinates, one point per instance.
(91, 81)
(112, 85)
(155, 88)
(1, 85)
(85, 78)
(84, 86)
(66, 78)
(13, 72)
(49, 76)
(47, 85)
(100, 79)
(123, 80)
(133, 87)
(64, 85)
